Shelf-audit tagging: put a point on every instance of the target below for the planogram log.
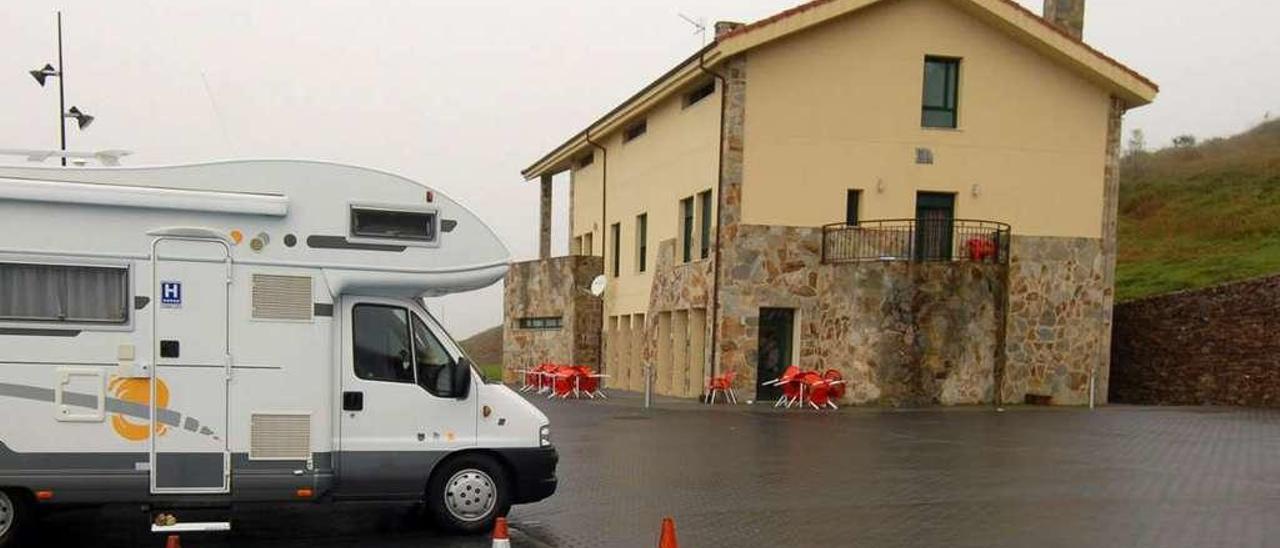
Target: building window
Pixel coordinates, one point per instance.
(704, 210)
(64, 293)
(699, 93)
(550, 322)
(642, 241)
(588, 245)
(686, 230)
(852, 202)
(635, 130)
(577, 246)
(941, 92)
(615, 232)
(586, 160)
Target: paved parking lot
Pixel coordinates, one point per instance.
(1118, 476)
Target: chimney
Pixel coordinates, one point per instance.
(1067, 15)
(725, 27)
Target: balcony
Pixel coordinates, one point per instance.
(920, 240)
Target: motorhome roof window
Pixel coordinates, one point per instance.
(64, 293)
(391, 224)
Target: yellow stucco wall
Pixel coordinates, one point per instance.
(838, 107)
(676, 158)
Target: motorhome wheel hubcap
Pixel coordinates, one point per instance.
(6, 513)
(470, 495)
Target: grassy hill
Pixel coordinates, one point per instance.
(1202, 215)
(485, 349)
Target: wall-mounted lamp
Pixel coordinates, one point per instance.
(977, 190)
(880, 185)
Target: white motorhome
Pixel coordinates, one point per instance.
(248, 331)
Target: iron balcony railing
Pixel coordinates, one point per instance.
(936, 239)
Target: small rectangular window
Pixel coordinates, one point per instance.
(686, 230)
(704, 209)
(635, 130)
(63, 293)
(699, 93)
(642, 243)
(586, 160)
(395, 225)
(588, 246)
(941, 92)
(851, 204)
(615, 232)
(554, 322)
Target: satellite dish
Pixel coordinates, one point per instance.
(598, 285)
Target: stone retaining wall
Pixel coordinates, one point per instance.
(902, 333)
(1216, 346)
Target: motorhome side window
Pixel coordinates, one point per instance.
(383, 351)
(396, 225)
(432, 360)
(392, 345)
(63, 293)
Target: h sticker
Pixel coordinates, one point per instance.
(171, 294)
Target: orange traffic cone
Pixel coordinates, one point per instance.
(668, 538)
(500, 538)
(173, 542)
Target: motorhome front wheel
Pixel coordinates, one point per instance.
(15, 512)
(468, 493)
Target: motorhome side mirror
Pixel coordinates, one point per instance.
(460, 377)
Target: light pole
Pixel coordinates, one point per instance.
(41, 74)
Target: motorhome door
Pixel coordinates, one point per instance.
(189, 451)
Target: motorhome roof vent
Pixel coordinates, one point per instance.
(280, 436)
(282, 297)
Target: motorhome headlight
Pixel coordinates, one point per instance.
(544, 435)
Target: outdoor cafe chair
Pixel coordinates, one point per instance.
(722, 384)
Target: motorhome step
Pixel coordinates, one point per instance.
(193, 527)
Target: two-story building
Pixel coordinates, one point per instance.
(920, 194)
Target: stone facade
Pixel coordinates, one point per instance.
(1215, 346)
(681, 291)
(901, 332)
(552, 288)
(1059, 317)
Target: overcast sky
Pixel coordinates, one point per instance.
(463, 94)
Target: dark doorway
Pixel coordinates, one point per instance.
(935, 218)
(775, 349)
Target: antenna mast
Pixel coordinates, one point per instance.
(700, 26)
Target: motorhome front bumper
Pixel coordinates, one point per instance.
(534, 471)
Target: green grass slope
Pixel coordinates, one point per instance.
(1198, 216)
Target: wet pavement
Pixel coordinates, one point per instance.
(1117, 476)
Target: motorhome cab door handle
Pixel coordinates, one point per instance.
(353, 401)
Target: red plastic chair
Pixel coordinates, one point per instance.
(563, 383)
(790, 387)
(722, 384)
(587, 380)
(836, 380)
(819, 391)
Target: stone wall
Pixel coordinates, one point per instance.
(1059, 314)
(552, 288)
(902, 333)
(1216, 346)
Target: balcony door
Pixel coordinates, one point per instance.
(935, 219)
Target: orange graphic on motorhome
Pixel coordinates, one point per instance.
(137, 391)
